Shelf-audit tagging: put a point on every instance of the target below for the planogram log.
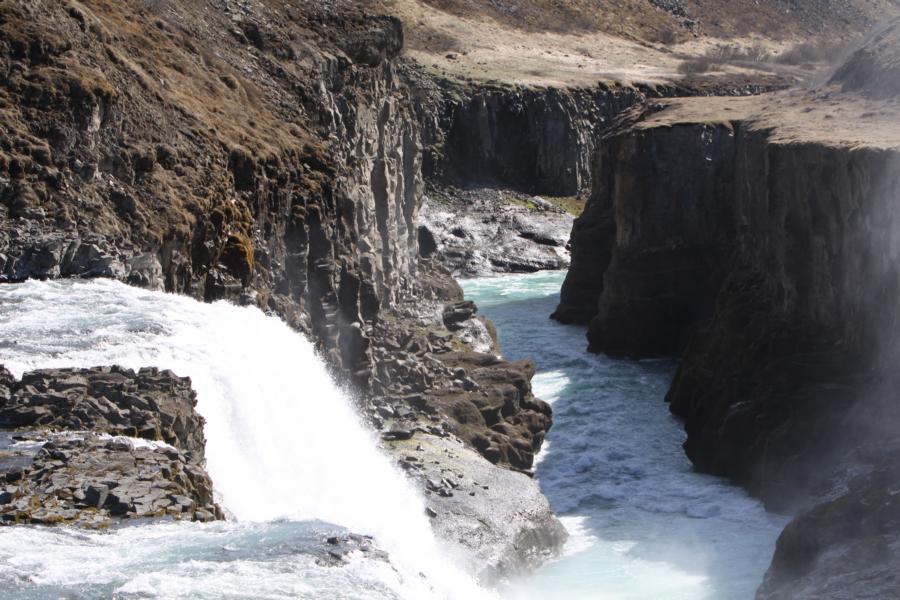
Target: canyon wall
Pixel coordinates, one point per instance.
(769, 264)
(535, 140)
(757, 239)
(269, 157)
(269, 153)
(779, 382)
(649, 248)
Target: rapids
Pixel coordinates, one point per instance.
(644, 526)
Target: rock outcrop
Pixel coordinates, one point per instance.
(231, 150)
(847, 545)
(439, 374)
(652, 243)
(499, 518)
(479, 232)
(95, 446)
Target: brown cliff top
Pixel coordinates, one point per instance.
(580, 42)
(858, 107)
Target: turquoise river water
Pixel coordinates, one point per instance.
(643, 525)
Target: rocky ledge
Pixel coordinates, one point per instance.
(499, 518)
(481, 231)
(464, 424)
(96, 446)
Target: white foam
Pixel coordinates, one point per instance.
(283, 442)
(643, 523)
(549, 385)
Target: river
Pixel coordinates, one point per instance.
(643, 524)
(290, 458)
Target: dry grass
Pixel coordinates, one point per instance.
(581, 42)
(571, 204)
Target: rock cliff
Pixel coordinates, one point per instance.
(764, 247)
(224, 151)
(651, 245)
(756, 239)
(528, 139)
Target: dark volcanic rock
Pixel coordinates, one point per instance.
(781, 252)
(150, 404)
(533, 140)
(650, 249)
(265, 153)
(242, 173)
(787, 306)
(845, 546)
(70, 462)
(430, 380)
(447, 412)
(798, 336)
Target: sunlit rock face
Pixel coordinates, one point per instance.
(260, 154)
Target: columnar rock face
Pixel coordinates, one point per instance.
(781, 214)
(775, 256)
(781, 377)
(273, 157)
(262, 152)
(93, 446)
(534, 140)
(651, 246)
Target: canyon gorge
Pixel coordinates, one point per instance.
(230, 237)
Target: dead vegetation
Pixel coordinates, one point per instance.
(581, 42)
(807, 53)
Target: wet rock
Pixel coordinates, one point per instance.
(483, 231)
(843, 546)
(70, 466)
(338, 548)
(503, 520)
(149, 403)
(456, 313)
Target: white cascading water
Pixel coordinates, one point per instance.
(283, 442)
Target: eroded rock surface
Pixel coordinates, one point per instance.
(499, 517)
(268, 153)
(480, 232)
(95, 446)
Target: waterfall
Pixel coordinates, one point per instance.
(283, 441)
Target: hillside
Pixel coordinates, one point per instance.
(578, 42)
